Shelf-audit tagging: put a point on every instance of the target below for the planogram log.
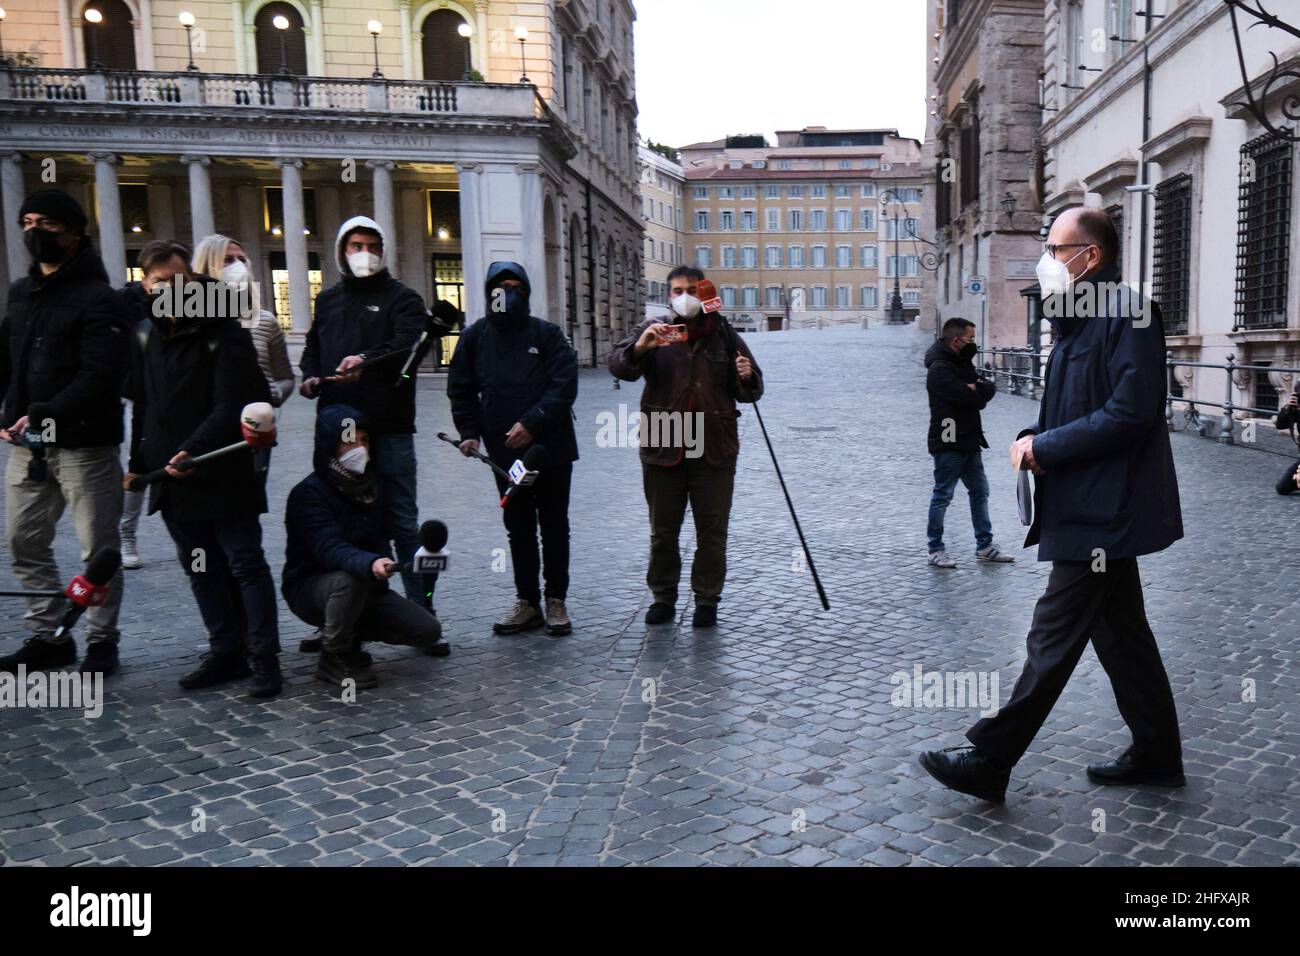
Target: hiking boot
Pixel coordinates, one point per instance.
(991, 553)
(557, 618)
(1125, 771)
(706, 615)
(659, 613)
(967, 770)
(522, 617)
(940, 559)
(130, 554)
(337, 668)
(216, 669)
(267, 681)
(40, 654)
(101, 658)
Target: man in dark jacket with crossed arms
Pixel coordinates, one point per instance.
(1106, 494)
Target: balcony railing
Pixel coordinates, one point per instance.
(262, 92)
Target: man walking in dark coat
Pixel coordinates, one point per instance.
(338, 559)
(192, 377)
(1106, 493)
(512, 384)
(957, 394)
(63, 356)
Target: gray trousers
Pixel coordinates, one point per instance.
(349, 613)
(88, 483)
(709, 491)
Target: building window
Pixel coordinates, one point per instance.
(727, 221)
(843, 257)
(701, 192)
(704, 257)
(841, 297)
(726, 192)
(1263, 230)
(783, 164)
(970, 160)
(111, 43)
(749, 257)
(773, 192)
(772, 296)
(796, 220)
(728, 257)
(868, 259)
(747, 192)
(134, 202)
(943, 187)
(1171, 262)
(843, 220)
(773, 220)
(749, 297)
(796, 192)
(268, 40)
(796, 257)
(773, 257)
(907, 227)
(911, 265)
(818, 221)
(273, 210)
(870, 297)
(868, 220)
(729, 297)
(868, 190)
(819, 257)
(702, 220)
(819, 297)
(748, 220)
(444, 52)
(819, 192)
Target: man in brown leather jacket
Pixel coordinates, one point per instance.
(688, 438)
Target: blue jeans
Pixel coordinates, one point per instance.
(394, 462)
(949, 467)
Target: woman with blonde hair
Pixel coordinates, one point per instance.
(224, 258)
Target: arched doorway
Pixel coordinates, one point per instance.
(277, 53)
(553, 246)
(444, 52)
(573, 283)
(111, 42)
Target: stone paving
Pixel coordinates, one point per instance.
(772, 740)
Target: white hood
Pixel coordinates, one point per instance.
(358, 222)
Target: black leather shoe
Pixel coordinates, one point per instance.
(966, 770)
(337, 668)
(216, 669)
(39, 654)
(1124, 771)
(438, 649)
(659, 613)
(101, 658)
(267, 681)
(706, 615)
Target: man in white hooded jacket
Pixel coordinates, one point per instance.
(369, 314)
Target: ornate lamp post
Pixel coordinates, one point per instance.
(466, 31)
(375, 28)
(94, 18)
(281, 23)
(896, 300)
(521, 34)
(188, 21)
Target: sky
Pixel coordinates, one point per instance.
(709, 68)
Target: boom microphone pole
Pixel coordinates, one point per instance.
(708, 294)
(479, 455)
(256, 422)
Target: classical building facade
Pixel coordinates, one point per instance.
(800, 235)
(1203, 191)
(982, 148)
(472, 131)
(663, 212)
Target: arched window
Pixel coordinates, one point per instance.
(111, 42)
(280, 50)
(445, 52)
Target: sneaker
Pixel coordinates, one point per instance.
(940, 559)
(557, 618)
(267, 681)
(991, 553)
(40, 654)
(659, 613)
(967, 770)
(130, 556)
(216, 669)
(706, 615)
(101, 658)
(522, 617)
(337, 668)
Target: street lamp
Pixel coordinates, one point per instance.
(521, 34)
(281, 23)
(376, 28)
(896, 300)
(94, 18)
(466, 31)
(1009, 206)
(188, 21)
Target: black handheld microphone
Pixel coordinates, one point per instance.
(89, 589)
(524, 472)
(432, 557)
(442, 320)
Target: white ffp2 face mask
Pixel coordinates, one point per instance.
(686, 305)
(354, 461)
(1053, 274)
(236, 273)
(364, 264)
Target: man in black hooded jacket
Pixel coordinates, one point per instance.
(63, 355)
(956, 435)
(512, 384)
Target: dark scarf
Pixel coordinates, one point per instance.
(358, 489)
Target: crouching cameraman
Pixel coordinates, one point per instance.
(338, 559)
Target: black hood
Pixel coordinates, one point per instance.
(329, 432)
(499, 271)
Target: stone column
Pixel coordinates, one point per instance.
(384, 214)
(408, 58)
(295, 244)
(316, 64)
(14, 191)
(241, 48)
(471, 238)
(481, 37)
(108, 216)
(201, 220)
(533, 227)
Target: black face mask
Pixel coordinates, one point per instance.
(515, 302)
(969, 350)
(45, 246)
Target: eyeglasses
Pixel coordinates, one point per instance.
(1051, 249)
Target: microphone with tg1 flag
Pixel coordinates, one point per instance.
(89, 589)
(256, 424)
(431, 557)
(524, 472)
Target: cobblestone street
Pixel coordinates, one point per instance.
(772, 740)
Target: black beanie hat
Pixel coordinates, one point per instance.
(57, 205)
